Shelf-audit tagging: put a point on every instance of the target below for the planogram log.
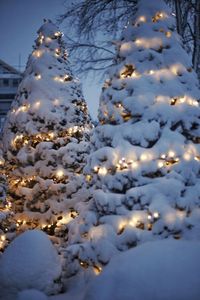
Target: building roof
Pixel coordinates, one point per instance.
(7, 69)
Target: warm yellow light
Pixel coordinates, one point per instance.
(163, 156)
(143, 157)
(171, 153)
(160, 164)
(38, 76)
(151, 72)
(97, 270)
(37, 104)
(102, 171)
(59, 79)
(138, 42)
(156, 215)
(37, 53)
(187, 156)
(149, 217)
(59, 173)
(88, 177)
(3, 238)
(134, 165)
(58, 33)
(96, 169)
(168, 34)
(142, 19)
(51, 135)
(193, 102)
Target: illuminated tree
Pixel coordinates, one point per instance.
(7, 224)
(145, 162)
(46, 139)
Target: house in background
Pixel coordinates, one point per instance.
(9, 81)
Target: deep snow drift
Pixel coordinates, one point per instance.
(167, 270)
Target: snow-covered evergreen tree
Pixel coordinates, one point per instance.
(145, 162)
(7, 224)
(45, 139)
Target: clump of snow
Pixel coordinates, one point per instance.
(31, 295)
(30, 262)
(167, 270)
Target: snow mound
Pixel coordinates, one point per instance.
(167, 270)
(30, 262)
(31, 295)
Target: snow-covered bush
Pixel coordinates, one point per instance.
(30, 262)
(145, 161)
(45, 139)
(167, 270)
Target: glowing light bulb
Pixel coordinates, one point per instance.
(51, 135)
(59, 173)
(134, 165)
(142, 19)
(37, 53)
(38, 76)
(37, 104)
(156, 215)
(88, 177)
(171, 153)
(3, 238)
(151, 72)
(168, 34)
(97, 270)
(96, 169)
(102, 171)
(138, 42)
(143, 157)
(149, 217)
(187, 156)
(160, 164)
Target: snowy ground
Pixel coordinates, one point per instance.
(167, 270)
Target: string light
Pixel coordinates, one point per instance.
(142, 19)
(156, 215)
(60, 173)
(102, 171)
(97, 270)
(37, 53)
(37, 104)
(38, 76)
(168, 34)
(171, 153)
(187, 156)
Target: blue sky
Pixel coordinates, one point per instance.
(19, 22)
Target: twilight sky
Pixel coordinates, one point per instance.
(19, 22)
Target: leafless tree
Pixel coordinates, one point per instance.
(93, 27)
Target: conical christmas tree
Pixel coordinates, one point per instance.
(45, 139)
(145, 163)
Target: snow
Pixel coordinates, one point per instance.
(144, 164)
(45, 138)
(31, 295)
(30, 262)
(167, 270)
